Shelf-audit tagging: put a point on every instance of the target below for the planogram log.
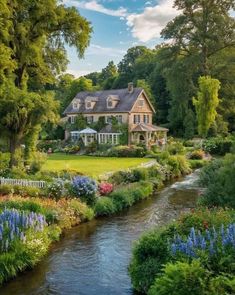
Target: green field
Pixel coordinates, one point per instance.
(92, 166)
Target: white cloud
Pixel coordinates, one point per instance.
(98, 50)
(149, 24)
(95, 6)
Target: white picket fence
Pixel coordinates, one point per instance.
(23, 182)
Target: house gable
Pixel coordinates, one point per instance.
(142, 104)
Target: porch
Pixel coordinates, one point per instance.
(149, 135)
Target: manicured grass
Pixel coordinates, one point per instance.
(92, 166)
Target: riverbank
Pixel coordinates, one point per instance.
(93, 257)
(136, 185)
(194, 254)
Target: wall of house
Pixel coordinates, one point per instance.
(141, 111)
(96, 116)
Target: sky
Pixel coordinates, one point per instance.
(117, 26)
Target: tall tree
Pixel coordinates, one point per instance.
(202, 29)
(206, 103)
(22, 113)
(35, 32)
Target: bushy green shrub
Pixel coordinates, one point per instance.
(140, 174)
(149, 255)
(196, 164)
(127, 151)
(21, 190)
(218, 177)
(175, 148)
(104, 206)
(197, 155)
(181, 278)
(84, 212)
(123, 198)
(122, 177)
(218, 145)
(36, 162)
(72, 149)
(178, 165)
(152, 251)
(4, 161)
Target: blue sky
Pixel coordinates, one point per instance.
(118, 25)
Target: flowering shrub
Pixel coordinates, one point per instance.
(14, 224)
(212, 242)
(105, 188)
(85, 188)
(56, 189)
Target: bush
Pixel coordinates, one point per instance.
(219, 179)
(197, 155)
(178, 165)
(127, 151)
(181, 278)
(104, 207)
(152, 251)
(105, 188)
(218, 145)
(37, 162)
(23, 191)
(149, 255)
(175, 148)
(122, 177)
(74, 149)
(140, 174)
(85, 188)
(123, 198)
(196, 164)
(4, 161)
(56, 189)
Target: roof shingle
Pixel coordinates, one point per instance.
(125, 103)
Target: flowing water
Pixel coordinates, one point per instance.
(92, 259)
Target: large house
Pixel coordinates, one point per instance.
(130, 106)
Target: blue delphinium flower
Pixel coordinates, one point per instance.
(210, 242)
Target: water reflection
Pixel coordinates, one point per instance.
(93, 258)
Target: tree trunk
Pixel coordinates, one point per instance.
(14, 144)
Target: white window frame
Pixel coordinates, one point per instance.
(146, 119)
(72, 119)
(90, 106)
(136, 119)
(90, 119)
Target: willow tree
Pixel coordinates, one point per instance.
(206, 103)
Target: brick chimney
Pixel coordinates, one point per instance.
(130, 87)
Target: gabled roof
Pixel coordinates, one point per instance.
(148, 127)
(88, 131)
(125, 103)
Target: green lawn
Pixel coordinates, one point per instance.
(92, 166)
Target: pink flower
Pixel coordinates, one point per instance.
(105, 188)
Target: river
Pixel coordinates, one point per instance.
(92, 259)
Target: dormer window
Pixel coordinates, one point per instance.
(112, 101)
(110, 104)
(76, 104)
(90, 102)
(88, 105)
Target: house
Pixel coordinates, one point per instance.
(129, 106)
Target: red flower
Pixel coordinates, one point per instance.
(105, 188)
